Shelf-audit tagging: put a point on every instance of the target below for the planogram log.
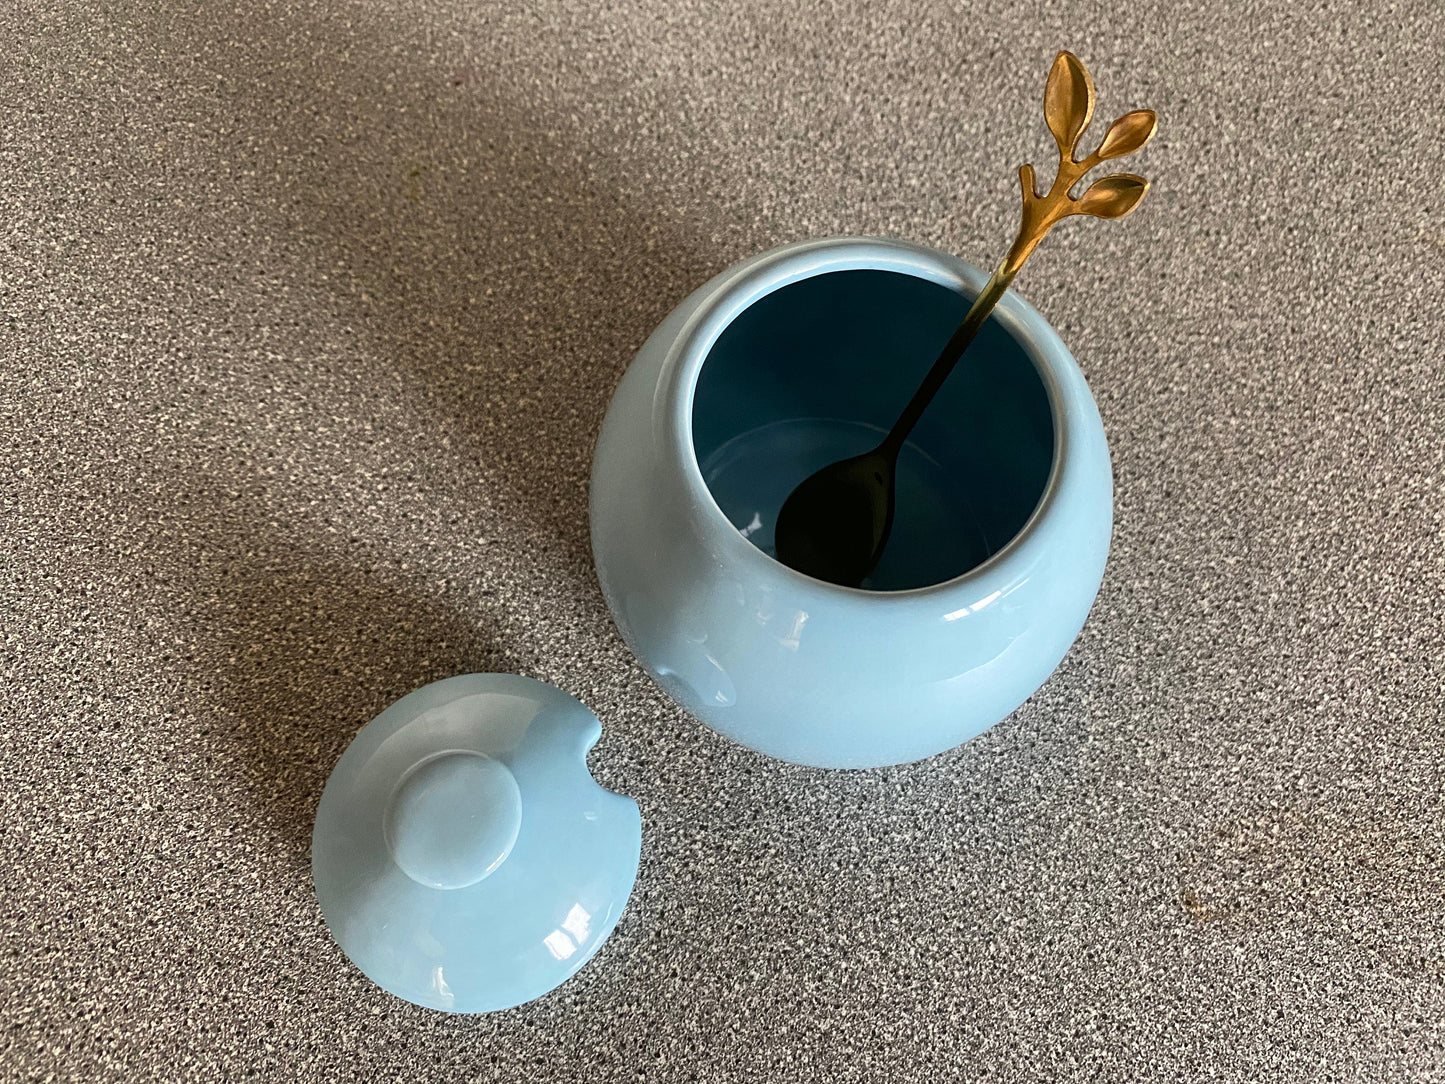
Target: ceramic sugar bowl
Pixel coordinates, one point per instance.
(800, 357)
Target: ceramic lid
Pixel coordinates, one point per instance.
(464, 857)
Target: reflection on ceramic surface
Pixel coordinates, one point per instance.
(464, 857)
(801, 357)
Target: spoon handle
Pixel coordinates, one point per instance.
(978, 313)
(1068, 108)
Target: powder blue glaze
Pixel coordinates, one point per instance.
(780, 365)
(454, 819)
(464, 857)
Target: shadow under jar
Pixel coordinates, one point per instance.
(801, 357)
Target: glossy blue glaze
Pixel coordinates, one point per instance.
(789, 361)
(464, 857)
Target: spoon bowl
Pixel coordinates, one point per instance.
(834, 526)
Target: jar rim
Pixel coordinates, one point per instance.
(753, 280)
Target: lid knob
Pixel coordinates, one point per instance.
(453, 819)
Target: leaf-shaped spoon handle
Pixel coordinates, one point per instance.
(1068, 108)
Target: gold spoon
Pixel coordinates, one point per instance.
(835, 524)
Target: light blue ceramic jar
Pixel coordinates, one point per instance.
(794, 359)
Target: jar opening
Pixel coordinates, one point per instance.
(817, 371)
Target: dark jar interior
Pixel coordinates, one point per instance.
(818, 370)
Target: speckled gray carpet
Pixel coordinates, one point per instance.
(309, 313)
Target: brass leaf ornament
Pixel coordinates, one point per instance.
(1113, 197)
(1068, 108)
(1127, 134)
(1068, 100)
